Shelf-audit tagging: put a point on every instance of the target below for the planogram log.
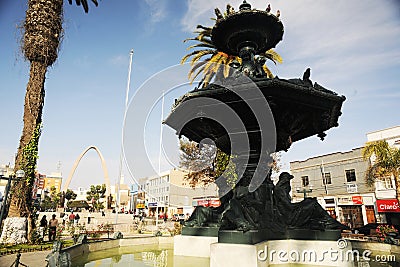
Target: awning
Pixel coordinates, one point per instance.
(387, 205)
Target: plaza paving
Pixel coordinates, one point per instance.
(122, 223)
(31, 259)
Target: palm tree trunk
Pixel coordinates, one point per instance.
(21, 198)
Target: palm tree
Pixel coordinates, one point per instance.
(386, 162)
(218, 63)
(40, 44)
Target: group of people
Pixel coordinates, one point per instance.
(53, 223)
(72, 218)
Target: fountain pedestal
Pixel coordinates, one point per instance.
(193, 246)
(281, 253)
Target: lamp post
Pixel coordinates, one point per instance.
(304, 191)
(18, 175)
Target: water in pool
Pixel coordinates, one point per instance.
(163, 256)
(139, 256)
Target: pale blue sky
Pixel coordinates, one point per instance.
(352, 47)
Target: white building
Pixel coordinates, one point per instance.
(337, 181)
(172, 193)
(386, 201)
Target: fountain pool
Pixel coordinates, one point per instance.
(139, 256)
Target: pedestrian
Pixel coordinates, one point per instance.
(65, 218)
(71, 218)
(77, 218)
(141, 216)
(53, 223)
(42, 227)
(102, 213)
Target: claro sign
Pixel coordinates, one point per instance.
(388, 205)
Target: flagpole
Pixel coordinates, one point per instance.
(159, 154)
(122, 137)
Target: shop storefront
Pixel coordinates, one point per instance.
(351, 213)
(156, 209)
(330, 207)
(389, 209)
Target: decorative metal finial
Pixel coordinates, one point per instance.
(245, 6)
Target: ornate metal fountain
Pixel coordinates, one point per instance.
(273, 114)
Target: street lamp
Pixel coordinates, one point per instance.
(304, 191)
(18, 175)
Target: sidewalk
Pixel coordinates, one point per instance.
(32, 259)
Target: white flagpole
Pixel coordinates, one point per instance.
(159, 154)
(122, 132)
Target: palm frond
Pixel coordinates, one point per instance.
(203, 44)
(84, 4)
(199, 26)
(200, 70)
(208, 77)
(197, 53)
(215, 58)
(227, 67)
(268, 72)
(194, 68)
(200, 55)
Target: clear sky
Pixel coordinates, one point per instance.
(352, 48)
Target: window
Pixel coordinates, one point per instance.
(304, 180)
(388, 182)
(329, 201)
(384, 183)
(351, 175)
(327, 178)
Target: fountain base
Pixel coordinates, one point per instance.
(281, 252)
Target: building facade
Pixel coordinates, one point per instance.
(337, 181)
(385, 190)
(54, 179)
(170, 193)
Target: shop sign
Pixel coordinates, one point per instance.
(357, 200)
(208, 202)
(140, 206)
(387, 205)
(345, 200)
(152, 204)
(215, 203)
(203, 202)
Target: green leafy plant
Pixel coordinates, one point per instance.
(95, 194)
(385, 230)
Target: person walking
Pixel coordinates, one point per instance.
(65, 218)
(77, 218)
(42, 227)
(71, 218)
(53, 223)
